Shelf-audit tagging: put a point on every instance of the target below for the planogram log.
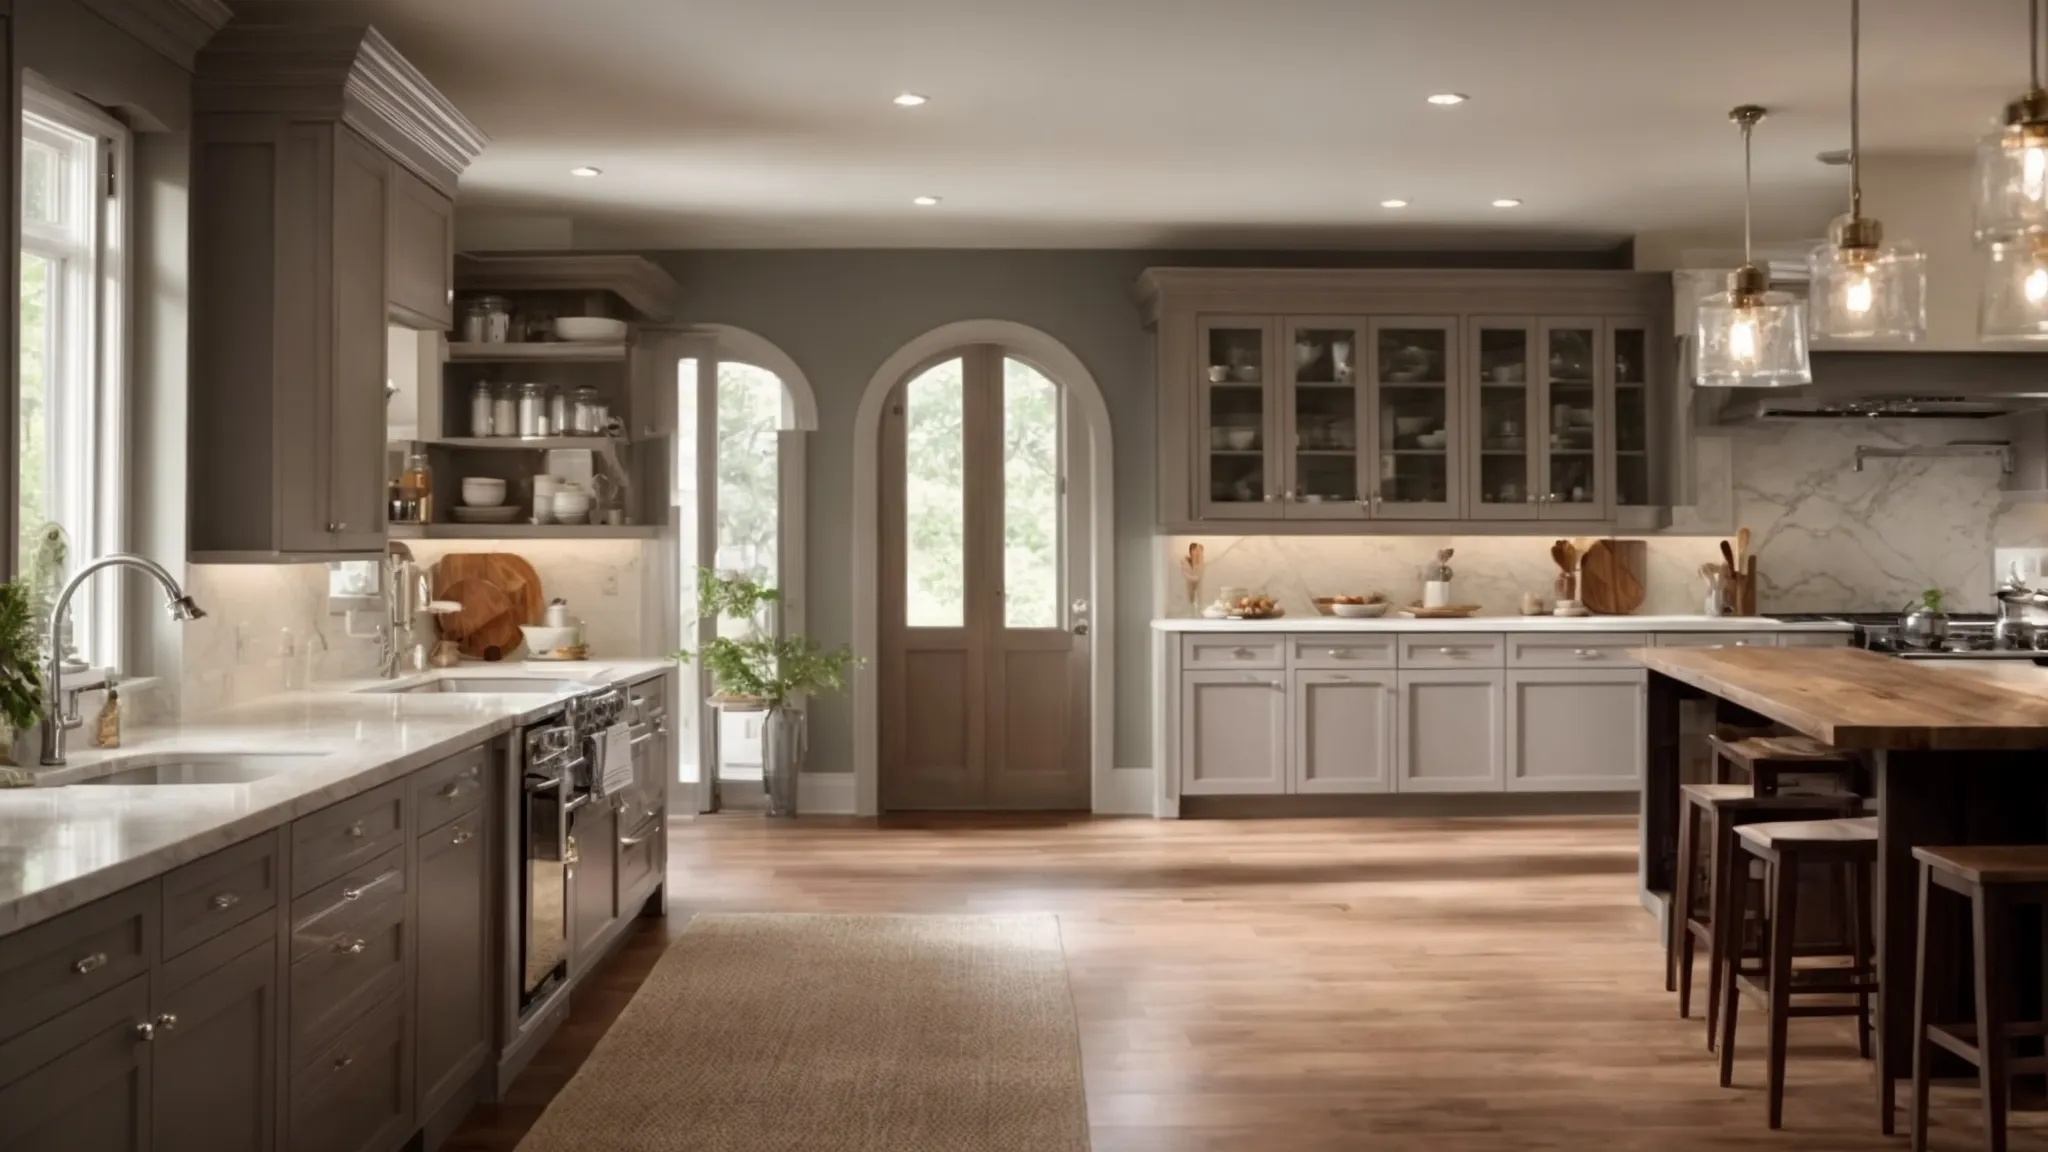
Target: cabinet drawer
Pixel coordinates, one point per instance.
(1233, 650)
(1717, 640)
(449, 789)
(369, 895)
(1574, 650)
(53, 967)
(1453, 650)
(353, 832)
(639, 862)
(334, 986)
(355, 1094)
(1341, 650)
(207, 897)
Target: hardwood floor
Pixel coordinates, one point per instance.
(1437, 985)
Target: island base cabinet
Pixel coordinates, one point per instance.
(356, 1095)
(1449, 731)
(1233, 733)
(1579, 731)
(81, 1082)
(593, 880)
(1343, 731)
(453, 1017)
(215, 1066)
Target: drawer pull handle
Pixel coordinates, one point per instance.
(1742, 643)
(225, 901)
(167, 1023)
(90, 964)
(341, 1062)
(1450, 651)
(352, 948)
(462, 836)
(351, 893)
(1586, 653)
(1242, 653)
(633, 841)
(451, 790)
(1338, 653)
(356, 831)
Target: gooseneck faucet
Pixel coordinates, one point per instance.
(60, 709)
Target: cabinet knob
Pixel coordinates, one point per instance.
(451, 790)
(145, 1032)
(90, 964)
(341, 1062)
(356, 831)
(352, 947)
(1532, 498)
(1554, 498)
(225, 901)
(337, 526)
(462, 837)
(351, 893)
(1271, 498)
(167, 1023)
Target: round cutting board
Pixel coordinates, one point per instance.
(482, 603)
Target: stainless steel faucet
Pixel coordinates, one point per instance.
(60, 708)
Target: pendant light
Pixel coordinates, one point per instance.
(1750, 336)
(1863, 288)
(2012, 212)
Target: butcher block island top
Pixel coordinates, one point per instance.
(1855, 699)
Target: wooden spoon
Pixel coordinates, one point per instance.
(1566, 556)
(1728, 557)
(1741, 547)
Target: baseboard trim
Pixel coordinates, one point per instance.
(1418, 805)
(825, 794)
(1127, 792)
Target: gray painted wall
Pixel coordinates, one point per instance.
(839, 314)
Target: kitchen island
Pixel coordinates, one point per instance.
(1957, 753)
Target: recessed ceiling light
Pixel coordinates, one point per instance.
(925, 201)
(909, 100)
(1507, 202)
(1446, 99)
(1393, 203)
(586, 170)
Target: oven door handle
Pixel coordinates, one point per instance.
(545, 784)
(575, 803)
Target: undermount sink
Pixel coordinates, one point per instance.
(539, 685)
(207, 769)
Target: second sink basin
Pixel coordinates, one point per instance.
(488, 684)
(203, 769)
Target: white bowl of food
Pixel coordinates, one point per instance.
(588, 329)
(541, 638)
(1359, 607)
(482, 491)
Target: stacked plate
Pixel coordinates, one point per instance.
(502, 514)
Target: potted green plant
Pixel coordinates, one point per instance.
(21, 680)
(759, 671)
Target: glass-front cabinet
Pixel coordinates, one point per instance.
(1326, 426)
(1574, 432)
(1631, 347)
(1500, 373)
(1416, 419)
(1239, 471)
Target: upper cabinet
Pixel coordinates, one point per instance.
(1322, 400)
(324, 173)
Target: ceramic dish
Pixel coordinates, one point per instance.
(1359, 611)
(503, 514)
(482, 491)
(1214, 613)
(585, 329)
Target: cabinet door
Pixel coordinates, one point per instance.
(1449, 731)
(452, 1024)
(1233, 733)
(1501, 388)
(1574, 411)
(1419, 475)
(1343, 737)
(1323, 420)
(354, 446)
(420, 260)
(592, 884)
(215, 1068)
(81, 1083)
(1237, 420)
(1576, 731)
(1633, 353)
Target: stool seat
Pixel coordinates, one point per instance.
(1990, 864)
(1784, 748)
(1765, 759)
(1804, 833)
(1744, 795)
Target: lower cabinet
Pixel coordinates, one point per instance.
(593, 881)
(356, 1095)
(1576, 731)
(452, 1027)
(81, 1083)
(1234, 733)
(1343, 731)
(215, 1065)
(1449, 728)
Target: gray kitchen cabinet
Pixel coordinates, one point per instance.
(1449, 731)
(1239, 419)
(1234, 733)
(452, 1024)
(420, 255)
(1576, 731)
(1343, 737)
(356, 1095)
(1502, 415)
(1571, 438)
(81, 1083)
(214, 1071)
(593, 882)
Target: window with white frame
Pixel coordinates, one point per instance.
(72, 448)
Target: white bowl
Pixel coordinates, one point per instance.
(589, 328)
(482, 491)
(1359, 611)
(541, 638)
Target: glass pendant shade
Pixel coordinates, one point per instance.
(1873, 293)
(1751, 340)
(2013, 303)
(2012, 182)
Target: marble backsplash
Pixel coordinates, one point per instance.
(1827, 537)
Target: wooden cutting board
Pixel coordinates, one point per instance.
(511, 573)
(1611, 576)
(482, 602)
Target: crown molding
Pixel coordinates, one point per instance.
(644, 285)
(177, 29)
(351, 74)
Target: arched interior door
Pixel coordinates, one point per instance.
(984, 661)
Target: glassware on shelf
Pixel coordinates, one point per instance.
(480, 417)
(558, 412)
(416, 488)
(533, 410)
(504, 411)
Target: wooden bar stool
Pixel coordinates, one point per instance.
(1763, 760)
(1784, 849)
(1708, 816)
(1991, 880)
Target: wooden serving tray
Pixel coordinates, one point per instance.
(1447, 612)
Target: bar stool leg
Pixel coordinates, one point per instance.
(1677, 931)
(1989, 933)
(1926, 968)
(1855, 923)
(1785, 893)
(1730, 903)
(1726, 867)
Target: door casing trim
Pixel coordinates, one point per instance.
(1059, 363)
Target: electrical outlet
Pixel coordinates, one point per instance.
(611, 584)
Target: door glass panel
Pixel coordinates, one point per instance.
(935, 498)
(1236, 389)
(1631, 416)
(1415, 431)
(1325, 415)
(1574, 434)
(1031, 498)
(1505, 469)
(749, 418)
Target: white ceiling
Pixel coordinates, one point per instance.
(1280, 123)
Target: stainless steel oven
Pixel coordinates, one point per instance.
(547, 785)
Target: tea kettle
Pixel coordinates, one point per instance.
(2013, 629)
(1923, 624)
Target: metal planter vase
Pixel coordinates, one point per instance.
(783, 745)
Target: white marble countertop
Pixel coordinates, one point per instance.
(1395, 622)
(61, 847)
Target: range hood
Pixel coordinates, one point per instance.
(1902, 386)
